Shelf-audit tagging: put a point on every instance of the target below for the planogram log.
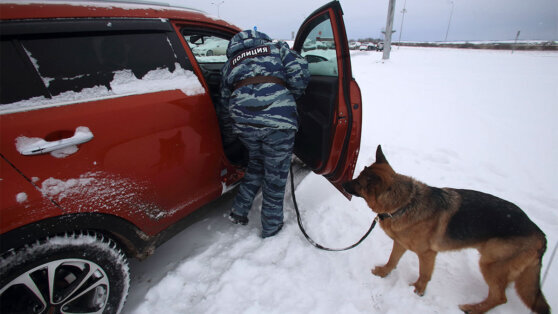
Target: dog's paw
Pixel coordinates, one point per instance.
(419, 293)
(418, 289)
(381, 271)
(470, 309)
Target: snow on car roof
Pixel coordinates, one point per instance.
(129, 5)
(12, 9)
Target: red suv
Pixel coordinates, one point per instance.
(109, 136)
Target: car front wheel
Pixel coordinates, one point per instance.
(77, 273)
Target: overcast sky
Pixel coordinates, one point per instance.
(425, 20)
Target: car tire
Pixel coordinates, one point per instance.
(209, 53)
(77, 273)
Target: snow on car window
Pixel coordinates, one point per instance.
(46, 80)
(124, 83)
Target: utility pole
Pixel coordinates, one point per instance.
(449, 22)
(218, 4)
(515, 42)
(389, 28)
(402, 19)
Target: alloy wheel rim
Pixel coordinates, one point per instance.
(61, 286)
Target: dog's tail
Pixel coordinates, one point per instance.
(528, 287)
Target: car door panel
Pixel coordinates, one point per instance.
(331, 111)
(318, 110)
(154, 157)
(151, 157)
(22, 201)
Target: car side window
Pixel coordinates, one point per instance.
(89, 60)
(18, 80)
(319, 48)
(207, 48)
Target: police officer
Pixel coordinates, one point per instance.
(259, 85)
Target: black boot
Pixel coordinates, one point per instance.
(237, 219)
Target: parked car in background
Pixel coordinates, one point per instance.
(315, 44)
(109, 140)
(209, 46)
(353, 45)
(372, 46)
(367, 46)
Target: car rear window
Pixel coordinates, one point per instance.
(74, 60)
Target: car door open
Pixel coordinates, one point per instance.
(330, 112)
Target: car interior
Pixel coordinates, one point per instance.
(316, 108)
(211, 61)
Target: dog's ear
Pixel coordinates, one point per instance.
(380, 158)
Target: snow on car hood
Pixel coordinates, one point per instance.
(124, 83)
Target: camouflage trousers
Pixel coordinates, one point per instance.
(270, 152)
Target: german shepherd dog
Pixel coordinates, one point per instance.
(428, 220)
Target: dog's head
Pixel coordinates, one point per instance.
(379, 185)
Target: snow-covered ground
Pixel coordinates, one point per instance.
(484, 120)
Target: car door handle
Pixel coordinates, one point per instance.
(35, 146)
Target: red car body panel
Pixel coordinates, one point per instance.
(21, 201)
(136, 166)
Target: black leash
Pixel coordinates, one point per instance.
(310, 239)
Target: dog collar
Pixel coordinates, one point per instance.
(384, 216)
(397, 213)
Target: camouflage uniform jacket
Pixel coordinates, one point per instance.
(272, 105)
